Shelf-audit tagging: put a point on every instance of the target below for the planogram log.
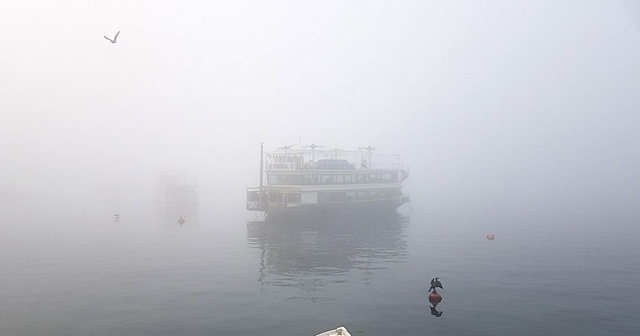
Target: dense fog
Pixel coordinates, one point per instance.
(512, 112)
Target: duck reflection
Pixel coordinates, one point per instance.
(312, 253)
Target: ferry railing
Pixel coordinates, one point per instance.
(386, 165)
(309, 166)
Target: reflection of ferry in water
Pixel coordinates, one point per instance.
(338, 182)
(176, 195)
(308, 254)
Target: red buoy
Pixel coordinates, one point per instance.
(181, 220)
(435, 297)
(491, 236)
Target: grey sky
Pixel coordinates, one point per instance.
(482, 99)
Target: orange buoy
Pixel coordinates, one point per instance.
(181, 220)
(491, 236)
(435, 297)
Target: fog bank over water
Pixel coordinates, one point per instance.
(518, 119)
(537, 124)
(503, 111)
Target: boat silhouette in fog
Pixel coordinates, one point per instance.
(176, 196)
(313, 181)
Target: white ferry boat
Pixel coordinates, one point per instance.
(310, 180)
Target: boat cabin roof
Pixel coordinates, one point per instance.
(290, 159)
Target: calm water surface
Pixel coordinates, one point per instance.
(80, 273)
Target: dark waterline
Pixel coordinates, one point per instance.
(224, 273)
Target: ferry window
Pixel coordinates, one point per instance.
(290, 179)
(362, 178)
(340, 178)
(311, 179)
(275, 197)
(361, 194)
(350, 195)
(386, 177)
(349, 179)
(273, 179)
(325, 179)
(293, 198)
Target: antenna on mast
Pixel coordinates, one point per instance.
(313, 150)
(335, 152)
(368, 149)
(261, 165)
(285, 148)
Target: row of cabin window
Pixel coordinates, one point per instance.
(313, 179)
(279, 197)
(335, 196)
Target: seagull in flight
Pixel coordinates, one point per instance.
(114, 38)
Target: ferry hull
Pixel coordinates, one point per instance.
(337, 209)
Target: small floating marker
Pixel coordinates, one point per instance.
(435, 298)
(491, 236)
(181, 220)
